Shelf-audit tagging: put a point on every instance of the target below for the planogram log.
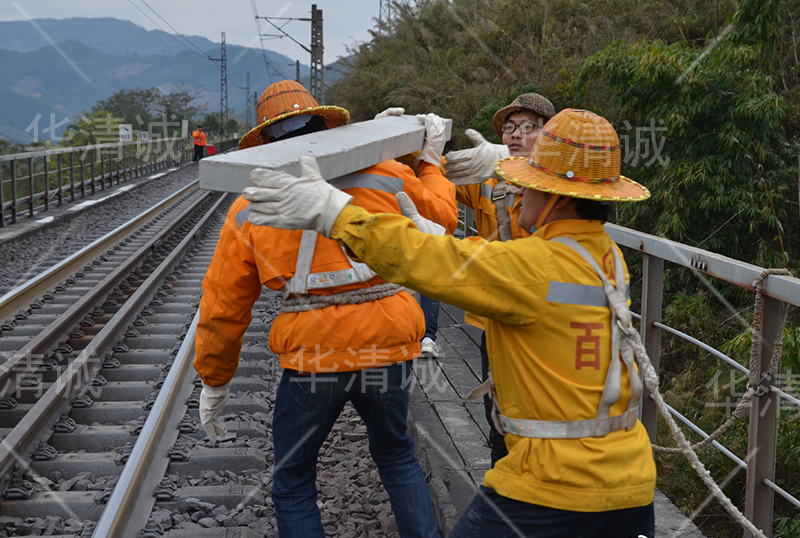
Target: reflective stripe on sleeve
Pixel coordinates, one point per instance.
(241, 216)
(368, 181)
(577, 294)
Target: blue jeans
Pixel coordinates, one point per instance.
(493, 515)
(306, 407)
(430, 308)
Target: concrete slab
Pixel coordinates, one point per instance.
(338, 151)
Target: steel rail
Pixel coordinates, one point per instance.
(122, 517)
(21, 296)
(19, 442)
(53, 333)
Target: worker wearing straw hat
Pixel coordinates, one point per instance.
(496, 203)
(580, 462)
(343, 334)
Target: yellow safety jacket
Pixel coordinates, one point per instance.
(481, 198)
(549, 344)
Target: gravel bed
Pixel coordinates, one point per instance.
(45, 247)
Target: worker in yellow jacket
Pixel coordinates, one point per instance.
(496, 203)
(580, 462)
(343, 334)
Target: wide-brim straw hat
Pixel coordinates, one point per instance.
(577, 154)
(283, 100)
(532, 102)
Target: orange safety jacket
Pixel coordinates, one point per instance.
(199, 138)
(337, 338)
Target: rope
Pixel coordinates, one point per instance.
(305, 303)
(650, 376)
(744, 403)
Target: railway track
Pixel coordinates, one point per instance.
(98, 399)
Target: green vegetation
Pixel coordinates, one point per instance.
(706, 99)
(151, 110)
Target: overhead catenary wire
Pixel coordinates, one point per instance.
(173, 29)
(261, 43)
(162, 29)
(201, 53)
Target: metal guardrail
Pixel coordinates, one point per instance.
(34, 181)
(779, 291)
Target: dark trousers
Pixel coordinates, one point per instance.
(496, 439)
(430, 308)
(198, 152)
(493, 515)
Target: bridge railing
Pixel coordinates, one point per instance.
(34, 181)
(779, 292)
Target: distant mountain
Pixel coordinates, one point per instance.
(113, 36)
(98, 57)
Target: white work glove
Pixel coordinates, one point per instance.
(212, 400)
(474, 165)
(393, 111)
(434, 140)
(282, 200)
(408, 209)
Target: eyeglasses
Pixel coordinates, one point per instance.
(525, 127)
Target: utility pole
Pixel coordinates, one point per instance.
(249, 104)
(385, 13)
(317, 77)
(223, 91)
(316, 83)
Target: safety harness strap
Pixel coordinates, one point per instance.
(304, 280)
(499, 193)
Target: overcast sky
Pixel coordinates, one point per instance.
(345, 22)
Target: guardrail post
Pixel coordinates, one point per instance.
(652, 299)
(91, 167)
(13, 192)
(763, 441)
(60, 180)
(46, 174)
(30, 186)
(2, 200)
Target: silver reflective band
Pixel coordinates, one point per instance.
(241, 216)
(577, 294)
(376, 182)
(570, 429)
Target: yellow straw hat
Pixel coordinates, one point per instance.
(577, 154)
(283, 100)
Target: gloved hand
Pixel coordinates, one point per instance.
(284, 201)
(474, 165)
(434, 139)
(394, 111)
(212, 400)
(408, 209)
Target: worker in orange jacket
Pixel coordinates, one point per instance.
(344, 333)
(497, 204)
(199, 137)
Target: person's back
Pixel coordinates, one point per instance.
(343, 335)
